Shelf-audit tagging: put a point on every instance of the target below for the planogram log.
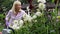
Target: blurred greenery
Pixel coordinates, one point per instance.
(2, 18)
(1, 28)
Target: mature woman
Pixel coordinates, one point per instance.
(15, 13)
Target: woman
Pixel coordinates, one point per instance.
(15, 13)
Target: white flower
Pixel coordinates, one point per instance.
(35, 21)
(42, 1)
(38, 10)
(38, 13)
(34, 17)
(14, 26)
(15, 22)
(0, 23)
(52, 31)
(24, 15)
(21, 23)
(27, 18)
(18, 28)
(30, 19)
(27, 8)
(41, 6)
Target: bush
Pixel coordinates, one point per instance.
(2, 18)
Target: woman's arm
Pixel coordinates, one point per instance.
(7, 18)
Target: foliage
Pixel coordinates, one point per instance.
(2, 18)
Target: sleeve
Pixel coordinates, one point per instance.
(7, 18)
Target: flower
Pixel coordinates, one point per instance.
(38, 13)
(21, 23)
(58, 17)
(15, 21)
(24, 15)
(35, 20)
(27, 18)
(34, 17)
(42, 1)
(0, 23)
(16, 24)
(52, 31)
(38, 10)
(41, 6)
(27, 8)
(15, 27)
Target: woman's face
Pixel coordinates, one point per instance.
(18, 6)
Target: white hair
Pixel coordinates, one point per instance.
(13, 7)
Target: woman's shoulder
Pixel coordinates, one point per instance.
(10, 11)
(22, 11)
